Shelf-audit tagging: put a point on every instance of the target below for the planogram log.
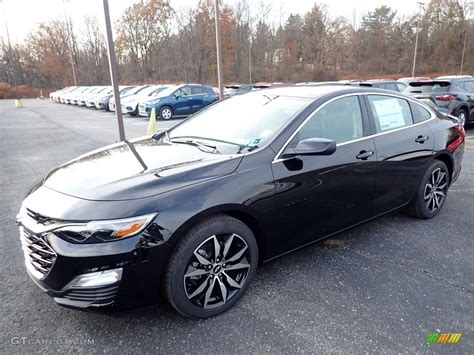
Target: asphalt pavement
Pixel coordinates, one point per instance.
(379, 288)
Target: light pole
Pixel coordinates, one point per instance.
(113, 70)
(468, 13)
(69, 42)
(220, 79)
(420, 4)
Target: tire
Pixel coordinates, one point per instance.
(217, 283)
(166, 113)
(463, 115)
(134, 112)
(427, 204)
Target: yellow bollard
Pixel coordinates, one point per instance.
(152, 122)
(18, 103)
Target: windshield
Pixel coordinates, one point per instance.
(125, 89)
(249, 120)
(157, 90)
(136, 90)
(166, 92)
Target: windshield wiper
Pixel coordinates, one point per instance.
(203, 146)
(193, 139)
(249, 147)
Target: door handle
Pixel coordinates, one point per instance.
(364, 154)
(421, 139)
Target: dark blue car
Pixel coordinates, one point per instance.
(180, 100)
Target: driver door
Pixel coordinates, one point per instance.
(320, 195)
(182, 101)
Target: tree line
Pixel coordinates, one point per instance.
(154, 43)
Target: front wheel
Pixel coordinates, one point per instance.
(166, 113)
(134, 112)
(212, 267)
(431, 193)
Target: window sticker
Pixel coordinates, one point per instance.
(390, 114)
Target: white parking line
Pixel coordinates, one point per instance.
(470, 137)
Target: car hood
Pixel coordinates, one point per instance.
(137, 169)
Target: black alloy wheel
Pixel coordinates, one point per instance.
(432, 191)
(212, 267)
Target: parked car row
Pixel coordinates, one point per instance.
(452, 95)
(169, 101)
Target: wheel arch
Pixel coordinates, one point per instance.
(166, 104)
(448, 160)
(463, 107)
(240, 212)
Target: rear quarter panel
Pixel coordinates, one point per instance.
(445, 133)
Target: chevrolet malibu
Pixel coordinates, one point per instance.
(189, 213)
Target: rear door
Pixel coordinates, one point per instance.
(403, 148)
(198, 94)
(319, 195)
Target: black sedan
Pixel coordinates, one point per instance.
(189, 213)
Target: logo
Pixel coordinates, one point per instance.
(443, 338)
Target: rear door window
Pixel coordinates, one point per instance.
(196, 90)
(419, 113)
(389, 112)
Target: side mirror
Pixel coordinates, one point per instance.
(177, 96)
(312, 146)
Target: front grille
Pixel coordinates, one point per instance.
(97, 296)
(39, 217)
(38, 253)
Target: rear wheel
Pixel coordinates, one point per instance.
(212, 267)
(462, 115)
(166, 113)
(431, 193)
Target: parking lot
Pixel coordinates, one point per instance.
(380, 287)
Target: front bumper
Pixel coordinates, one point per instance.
(139, 260)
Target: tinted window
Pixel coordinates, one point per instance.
(184, 91)
(431, 88)
(389, 112)
(340, 120)
(195, 90)
(391, 86)
(401, 87)
(244, 88)
(419, 113)
(468, 86)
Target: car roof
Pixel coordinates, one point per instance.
(314, 92)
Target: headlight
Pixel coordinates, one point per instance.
(105, 231)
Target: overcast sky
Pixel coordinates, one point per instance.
(24, 15)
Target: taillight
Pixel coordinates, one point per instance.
(458, 135)
(445, 97)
